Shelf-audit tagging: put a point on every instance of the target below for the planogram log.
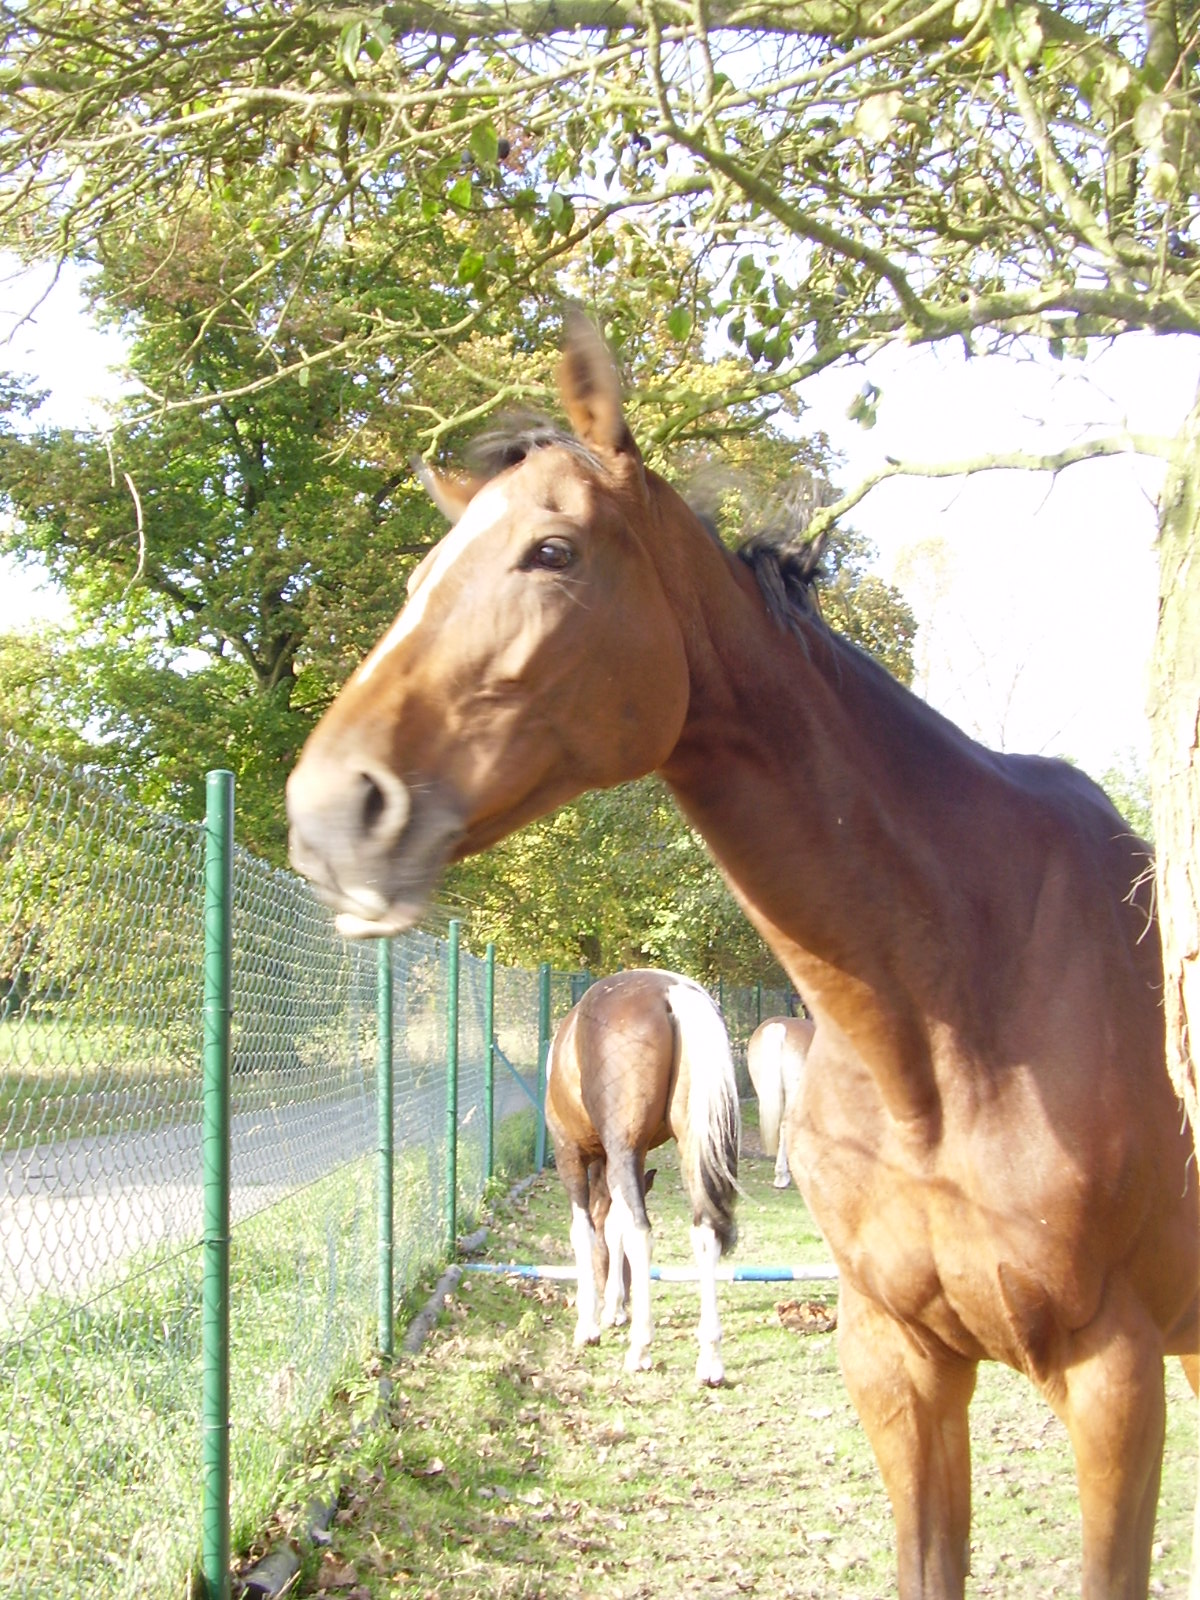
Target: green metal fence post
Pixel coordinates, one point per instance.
(543, 1054)
(218, 984)
(386, 1126)
(758, 1003)
(452, 1090)
(489, 1057)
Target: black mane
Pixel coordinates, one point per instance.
(787, 570)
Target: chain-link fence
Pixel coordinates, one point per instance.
(101, 1171)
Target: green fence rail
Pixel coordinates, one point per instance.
(179, 1294)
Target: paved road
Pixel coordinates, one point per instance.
(69, 1210)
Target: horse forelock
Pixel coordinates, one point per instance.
(518, 437)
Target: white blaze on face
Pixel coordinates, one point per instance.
(485, 511)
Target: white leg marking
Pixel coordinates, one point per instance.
(615, 1229)
(583, 1240)
(782, 1175)
(710, 1369)
(641, 1322)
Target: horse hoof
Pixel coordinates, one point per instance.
(586, 1336)
(710, 1372)
(638, 1361)
(781, 1183)
(614, 1319)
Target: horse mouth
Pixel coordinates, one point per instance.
(376, 895)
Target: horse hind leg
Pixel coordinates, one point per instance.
(575, 1179)
(629, 1230)
(706, 1247)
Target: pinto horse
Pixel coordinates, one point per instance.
(643, 1058)
(987, 1134)
(775, 1058)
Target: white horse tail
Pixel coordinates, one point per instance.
(764, 1060)
(709, 1146)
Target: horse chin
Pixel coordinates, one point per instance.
(398, 919)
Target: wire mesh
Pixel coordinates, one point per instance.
(100, 1195)
(101, 959)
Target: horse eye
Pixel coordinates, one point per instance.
(552, 555)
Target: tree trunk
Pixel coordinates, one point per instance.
(1175, 778)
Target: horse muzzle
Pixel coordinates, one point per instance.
(372, 848)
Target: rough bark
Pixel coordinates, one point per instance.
(1175, 777)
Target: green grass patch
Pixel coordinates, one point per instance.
(511, 1465)
(100, 1404)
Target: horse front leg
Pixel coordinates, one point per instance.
(913, 1407)
(614, 1314)
(706, 1247)
(1109, 1390)
(583, 1242)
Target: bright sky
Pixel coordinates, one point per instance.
(1036, 599)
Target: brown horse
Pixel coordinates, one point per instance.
(643, 1058)
(987, 1137)
(775, 1057)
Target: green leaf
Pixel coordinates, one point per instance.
(348, 45)
(1029, 35)
(470, 264)
(460, 193)
(876, 116)
(863, 408)
(1148, 120)
(679, 323)
(485, 144)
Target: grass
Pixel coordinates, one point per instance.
(512, 1466)
(99, 1402)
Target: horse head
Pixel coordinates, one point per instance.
(536, 656)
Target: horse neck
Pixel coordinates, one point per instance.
(785, 766)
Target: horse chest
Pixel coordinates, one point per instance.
(915, 1233)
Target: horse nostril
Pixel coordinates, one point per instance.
(374, 803)
(384, 806)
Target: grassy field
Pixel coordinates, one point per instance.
(510, 1465)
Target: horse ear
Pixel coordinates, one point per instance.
(451, 495)
(591, 388)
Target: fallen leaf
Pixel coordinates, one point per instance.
(806, 1316)
(335, 1573)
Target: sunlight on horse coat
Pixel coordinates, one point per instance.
(987, 1135)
